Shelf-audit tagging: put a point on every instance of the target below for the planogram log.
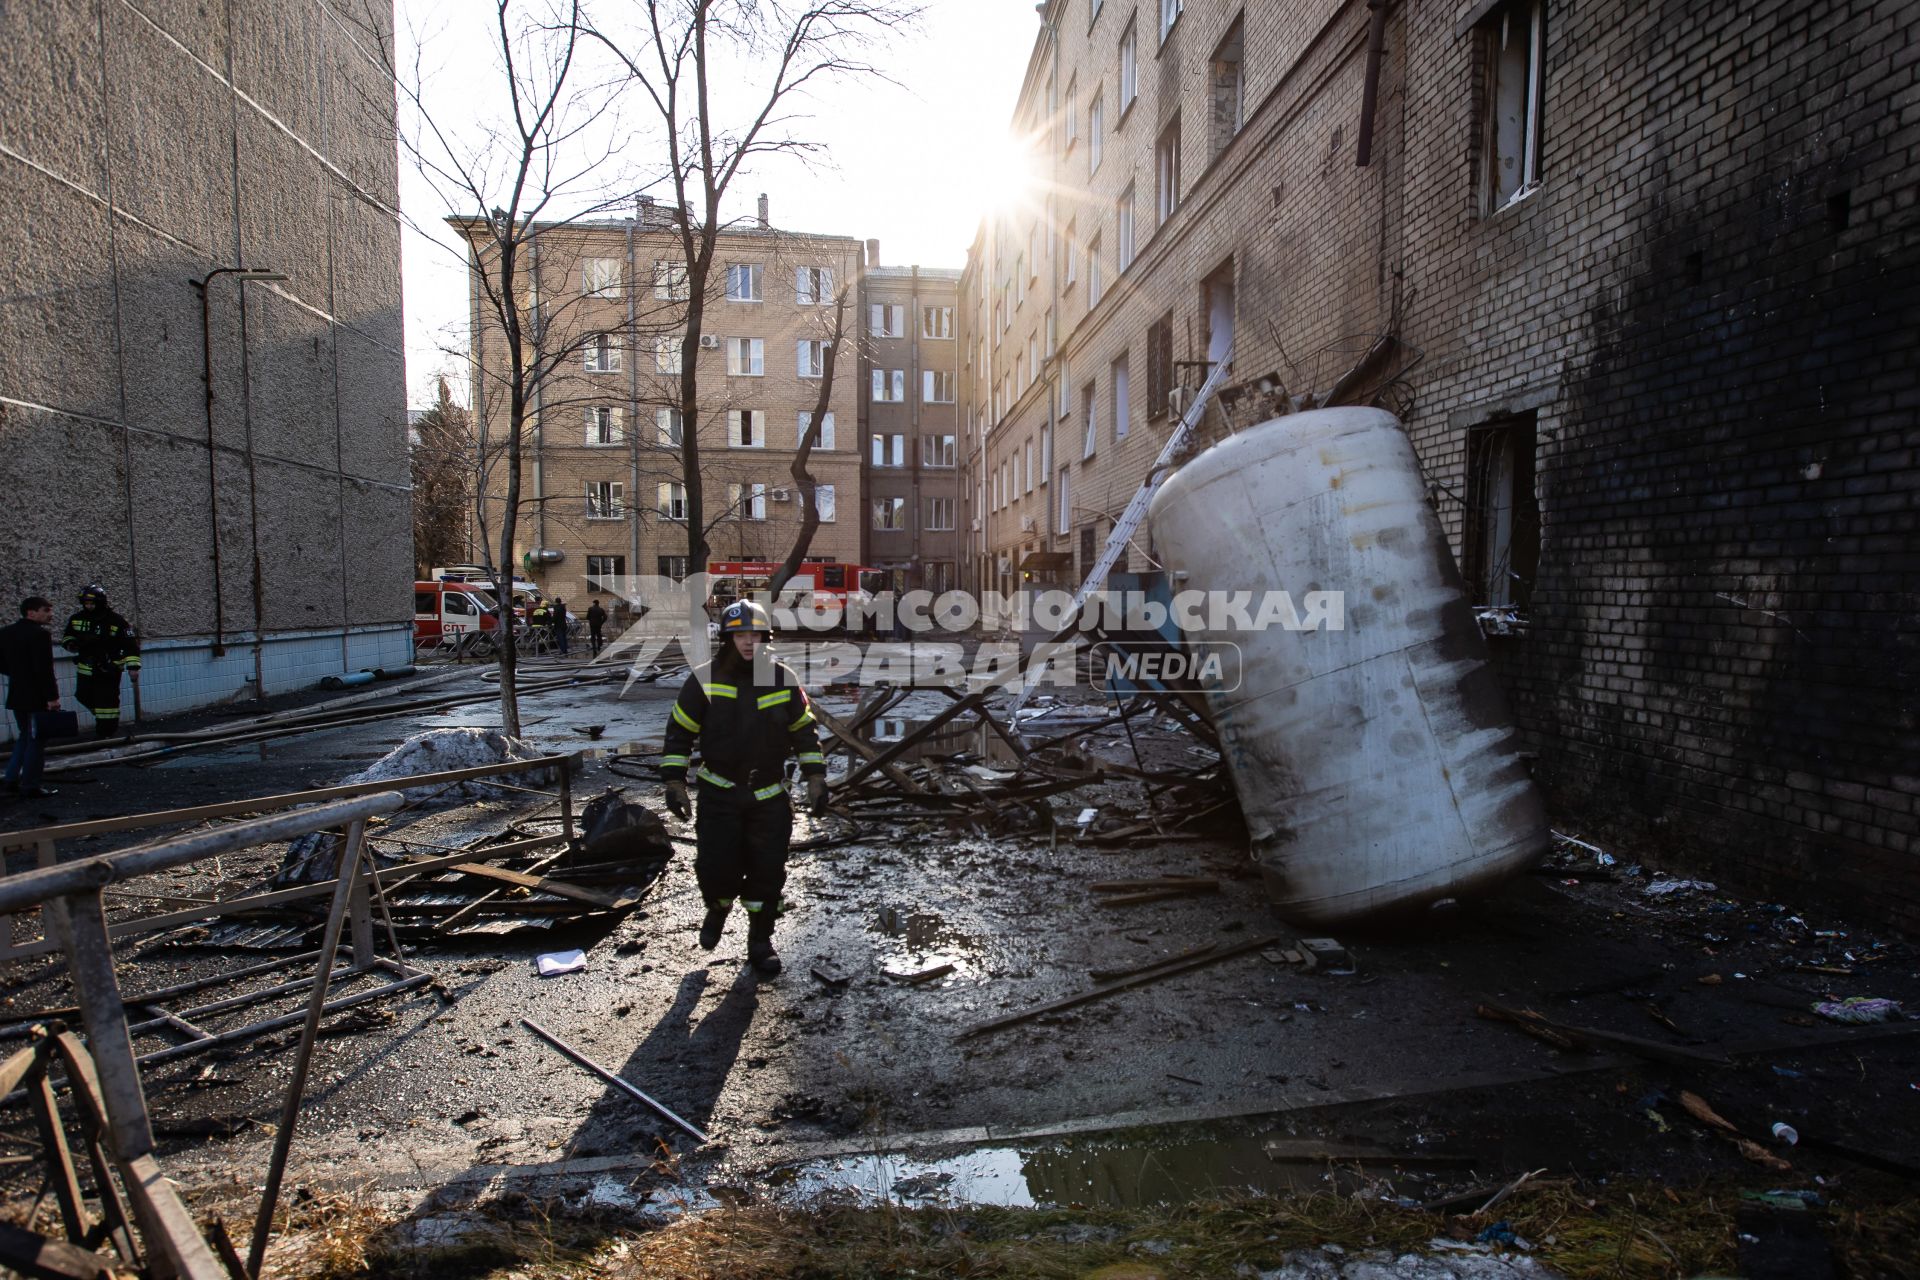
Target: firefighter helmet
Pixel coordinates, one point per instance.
(92, 592)
(745, 615)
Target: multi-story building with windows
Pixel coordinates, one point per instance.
(603, 488)
(1640, 283)
(911, 422)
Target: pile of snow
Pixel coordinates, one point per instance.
(313, 857)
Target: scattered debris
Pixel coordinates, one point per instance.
(1663, 887)
(1326, 956)
(1859, 1010)
(555, 963)
(612, 1079)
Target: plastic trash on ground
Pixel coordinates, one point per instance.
(555, 963)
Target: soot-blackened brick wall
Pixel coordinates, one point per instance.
(1712, 305)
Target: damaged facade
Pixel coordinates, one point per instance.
(259, 540)
(1647, 280)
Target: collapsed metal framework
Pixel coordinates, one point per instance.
(142, 1218)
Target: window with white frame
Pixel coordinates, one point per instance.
(1096, 129)
(605, 568)
(666, 355)
(600, 277)
(1029, 466)
(1129, 69)
(1052, 333)
(746, 428)
(936, 386)
(603, 353)
(1117, 382)
(1073, 254)
(1019, 279)
(936, 322)
(810, 357)
(743, 282)
(606, 500)
(673, 501)
(1516, 40)
(1063, 520)
(603, 425)
(1094, 284)
(1070, 117)
(746, 357)
(890, 385)
(670, 281)
(940, 515)
(1166, 171)
(938, 451)
(886, 320)
(1123, 231)
(666, 426)
(747, 501)
(1046, 452)
(805, 422)
(1092, 433)
(888, 449)
(672, 568)
(1170, 11)
(1063, 390)
(813, 286)
(823, 502)
(890, 514)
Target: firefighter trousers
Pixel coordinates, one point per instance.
(742, 847)
(98, 690)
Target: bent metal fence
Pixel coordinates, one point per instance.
(141, 1217)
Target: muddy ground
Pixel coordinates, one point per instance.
(1244, 1073)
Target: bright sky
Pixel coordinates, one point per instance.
(914, 164)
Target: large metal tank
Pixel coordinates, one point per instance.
(1376, 763)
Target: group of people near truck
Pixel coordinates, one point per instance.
(104, 646)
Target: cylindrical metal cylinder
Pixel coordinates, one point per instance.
(1369, 740)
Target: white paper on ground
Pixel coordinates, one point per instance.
(555, 963)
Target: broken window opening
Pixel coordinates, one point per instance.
(1516, 40)
(1501, 555)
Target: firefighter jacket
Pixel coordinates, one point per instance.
(100, 641)
(744, 731)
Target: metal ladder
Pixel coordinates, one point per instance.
(1130, 519)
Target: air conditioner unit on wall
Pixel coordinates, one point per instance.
(780, 495)
(1028, 524)
(709, 343)
(1178, 399)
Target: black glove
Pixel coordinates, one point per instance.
(677, 798)
(816, 794)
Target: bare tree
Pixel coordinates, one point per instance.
(536, 149)
(673, 53)
(802, 478)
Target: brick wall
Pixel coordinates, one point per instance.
(1706, 307)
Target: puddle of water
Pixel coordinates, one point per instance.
(914, 942)
(1106, 1172)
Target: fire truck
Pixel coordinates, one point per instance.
(823, 586)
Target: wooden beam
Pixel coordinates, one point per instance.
(1120, 984)
(32, 1254)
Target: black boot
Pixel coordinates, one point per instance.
(714, 925)
(760, 951)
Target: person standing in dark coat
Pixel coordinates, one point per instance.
(26, 659)
(596, 619)
(558, 618)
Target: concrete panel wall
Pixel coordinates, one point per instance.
(147, 144)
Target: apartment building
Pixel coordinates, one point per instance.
(1635, 279)
(910, 417)
(202, 394)
(604, 491)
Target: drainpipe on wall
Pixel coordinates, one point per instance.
(1370, 95)
(632, 355)
(242, 275)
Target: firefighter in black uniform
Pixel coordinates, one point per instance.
(103, 645)
(745, 729)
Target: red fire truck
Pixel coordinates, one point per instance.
(824, 586)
